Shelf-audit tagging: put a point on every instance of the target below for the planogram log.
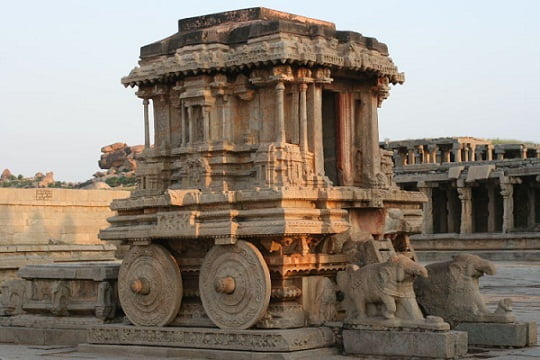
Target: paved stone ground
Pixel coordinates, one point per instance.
(519, 281)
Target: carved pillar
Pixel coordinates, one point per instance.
(466, 153)
(419, 154)
(507, 192)
(410, 156)
(465, 195)
(499, 151)
(445, 156)
(280, 112)
(433, 153)
(303, 117)
(369, 146)
(225, 121)
(183, 123)
(206, 123)
(428, 208)
(315, 91)
(491, 208)
(146, 102)
(191, 135)
(398, 157)
(457, 152)
(489, 152)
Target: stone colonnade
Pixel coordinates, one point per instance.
(502, 204)
(457, 150)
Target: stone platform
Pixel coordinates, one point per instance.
(272, 343)
(405, 343)
(518, 334)
(157, 352)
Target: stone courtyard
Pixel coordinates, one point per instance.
(517, 280)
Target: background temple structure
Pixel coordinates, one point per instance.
(482, 196)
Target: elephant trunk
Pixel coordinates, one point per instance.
(418, 270)
(486, 267)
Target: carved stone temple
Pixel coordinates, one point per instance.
(261, 188)
(264, 162)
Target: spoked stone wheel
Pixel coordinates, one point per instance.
(234, 284)
(150, 286)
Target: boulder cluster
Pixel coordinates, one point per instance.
(39, 180)
(119, 157)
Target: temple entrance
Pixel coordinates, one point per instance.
(330, 122)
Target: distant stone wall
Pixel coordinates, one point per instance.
(54, 216)
(53, 225)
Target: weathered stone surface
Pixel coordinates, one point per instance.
(119, 157)
(96, 271)
(476, 189)
(265, 162)
(276, 340)
(77, 289)
(53, 225)
(42, 336)
(186, 353)
(390, 285)
(407, 344)
(452, 291)
(517, 334)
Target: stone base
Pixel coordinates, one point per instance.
(518, 334)
(265, 341)
(46, 330)
(448, 344)
(158, 352)
(42, 336)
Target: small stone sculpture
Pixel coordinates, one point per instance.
(452, 291)
(382, 294)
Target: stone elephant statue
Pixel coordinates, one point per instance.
(381, 289)
(452, 291)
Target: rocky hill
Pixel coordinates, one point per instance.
(117, 160)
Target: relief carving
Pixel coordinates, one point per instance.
(383, 294)
(452, 291)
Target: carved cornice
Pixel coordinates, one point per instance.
(266, 50)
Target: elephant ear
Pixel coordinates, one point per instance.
(400, 273)
(456, 270)
(384, 276)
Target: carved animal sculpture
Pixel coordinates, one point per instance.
(452, 290)
(387, 285)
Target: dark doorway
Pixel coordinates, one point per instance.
(480, 201)
(440, 212)
(330, 125)
(521, 206)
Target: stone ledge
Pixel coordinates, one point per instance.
(42, 336)
(450, 344)
(518, 334)
(190, 353)
(266, 341)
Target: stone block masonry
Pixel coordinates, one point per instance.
(53, 225)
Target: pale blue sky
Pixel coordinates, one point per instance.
(472, 69)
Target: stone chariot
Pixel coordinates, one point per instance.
(263, 173)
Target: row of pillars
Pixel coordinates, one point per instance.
(189, 120)
(433, 154)
(465, 225)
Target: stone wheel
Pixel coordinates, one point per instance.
(150, 286)
(234, 284)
